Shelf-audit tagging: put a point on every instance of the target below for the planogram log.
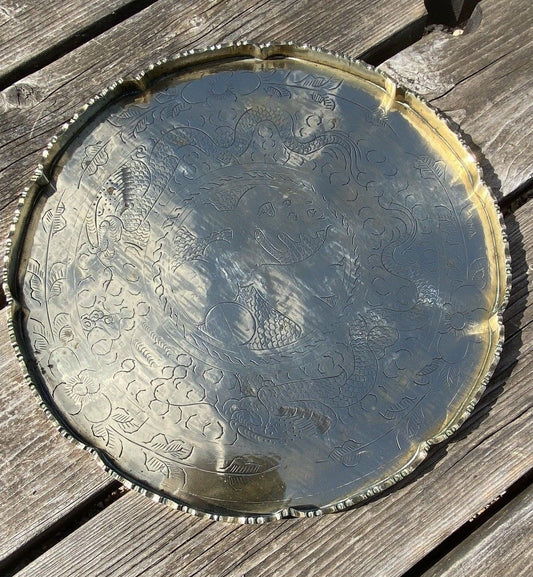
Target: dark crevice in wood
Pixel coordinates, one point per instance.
(469, 76)
(448, 544)
(455, 13)
(58, 50)
(512, 202)
(57, 532)
(397, 42)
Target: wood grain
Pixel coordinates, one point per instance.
(32, 110)
(484, 81)
(501, 547)
(33, 497)
(43, 478)
(385, 537)
(29, 30)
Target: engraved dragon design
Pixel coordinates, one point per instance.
(240, 278)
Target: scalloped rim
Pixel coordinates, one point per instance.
(264, 51)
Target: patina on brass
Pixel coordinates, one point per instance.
(258, 281)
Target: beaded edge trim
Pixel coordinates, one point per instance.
(264, 51)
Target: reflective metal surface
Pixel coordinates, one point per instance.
(259, 286)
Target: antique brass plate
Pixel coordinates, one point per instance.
(258, 281)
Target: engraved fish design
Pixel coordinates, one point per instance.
(120, 210)
(188, 247)
(289, 250)
(125, 191)
(273, 328)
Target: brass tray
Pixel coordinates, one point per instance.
(258, 281)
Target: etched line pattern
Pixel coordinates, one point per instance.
(244, 274)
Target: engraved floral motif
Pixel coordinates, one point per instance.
(82, 393)
(247, 284)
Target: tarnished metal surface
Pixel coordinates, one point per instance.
(260, 286)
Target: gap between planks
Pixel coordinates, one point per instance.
(57, 91)
(58, 531)
(512, 350)
(500, 547)
(483, 80)
(517, 198)
(479, 521)
(376, 43)
(48, 54)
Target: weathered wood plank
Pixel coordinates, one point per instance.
(40, 481)
(238, 543)
(500, 547)
(34, 109)
(29, 30)
(34, 498)
(384, 537)
(484, 81)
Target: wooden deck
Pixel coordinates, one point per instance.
(468, 509)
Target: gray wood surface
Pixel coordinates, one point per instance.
(29, 28)
(33, 498)
(483, 80)
(32, 110)
(386, 537)
(503, 546)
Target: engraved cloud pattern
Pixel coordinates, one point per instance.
(244, 281)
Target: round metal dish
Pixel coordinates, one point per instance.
(258, 281)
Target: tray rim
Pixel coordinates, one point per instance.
(263, 51)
